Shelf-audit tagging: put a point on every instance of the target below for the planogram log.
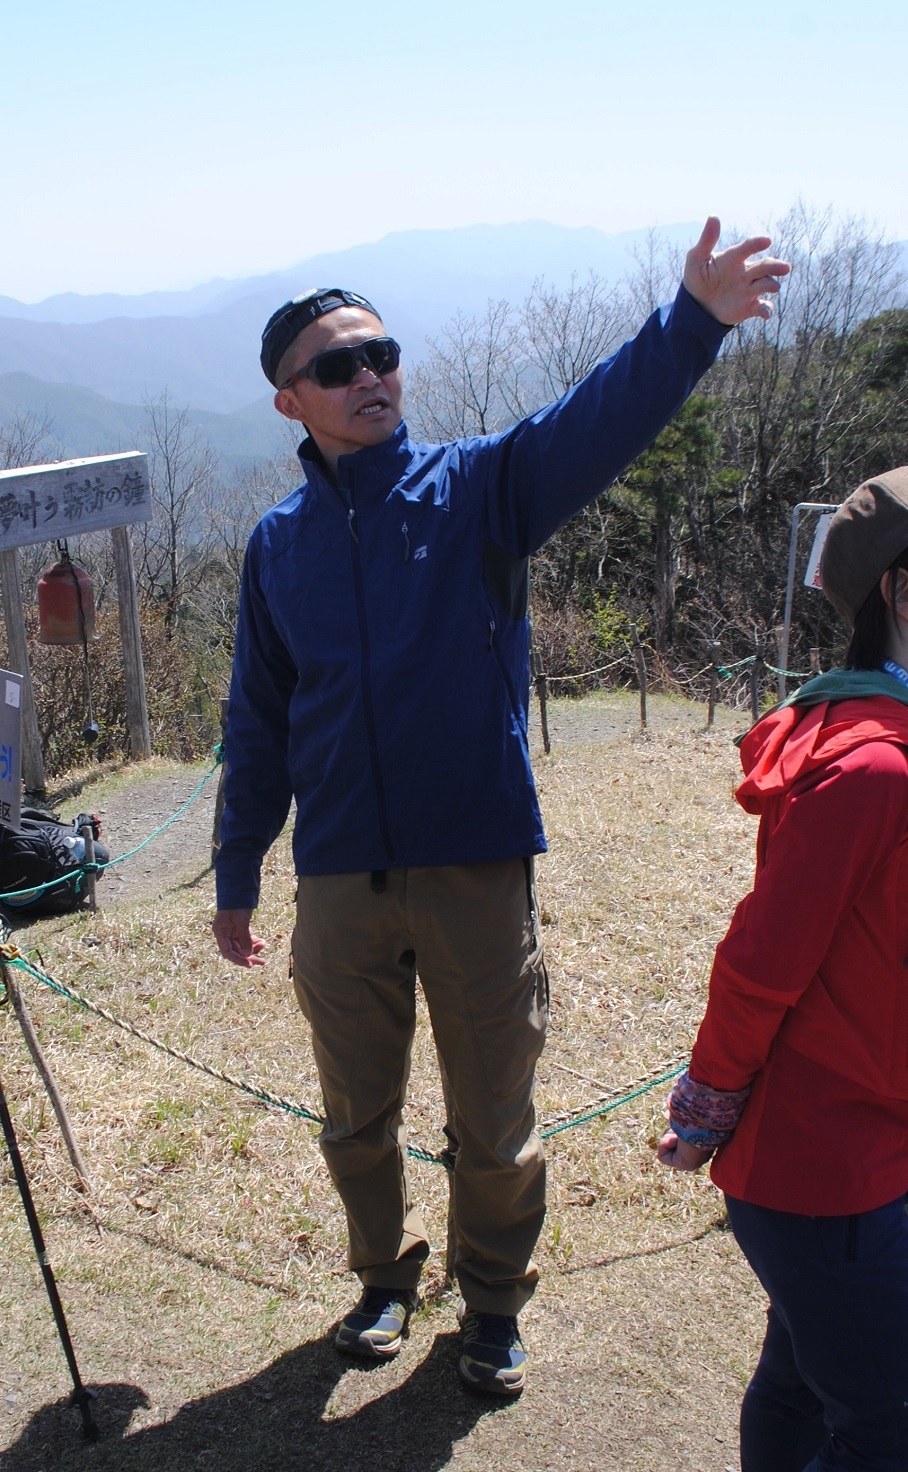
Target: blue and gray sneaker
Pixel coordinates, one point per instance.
(493, 1357)
(375, 1328)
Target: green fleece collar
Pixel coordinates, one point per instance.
(848, 685)
(840, 685)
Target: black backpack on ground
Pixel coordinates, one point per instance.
(44, 848)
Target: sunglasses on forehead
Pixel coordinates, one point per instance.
(338, 367)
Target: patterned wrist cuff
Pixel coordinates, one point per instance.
(697, 1108)
(701, 1139)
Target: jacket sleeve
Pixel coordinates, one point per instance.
(833, 840)
(257, 789)
(546, 468)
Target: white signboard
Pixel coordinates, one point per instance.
(10, 749)
(812, 575)
(47, 503)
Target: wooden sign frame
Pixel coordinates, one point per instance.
(45, 503)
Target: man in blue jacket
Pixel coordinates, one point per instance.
(381, 679)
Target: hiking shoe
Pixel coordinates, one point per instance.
(493, 1357)
(376, 1326)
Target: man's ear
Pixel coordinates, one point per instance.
(285, 403)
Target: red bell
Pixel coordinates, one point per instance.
(66, 604)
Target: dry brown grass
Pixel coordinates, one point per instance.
(210, 1263)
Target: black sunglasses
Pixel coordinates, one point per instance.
(338, 366)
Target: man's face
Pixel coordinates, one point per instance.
(341, 420)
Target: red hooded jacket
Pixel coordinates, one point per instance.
(808, 998)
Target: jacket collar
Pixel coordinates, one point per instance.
(373, 470)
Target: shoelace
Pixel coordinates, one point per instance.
(374, 1299)
(491, 1328)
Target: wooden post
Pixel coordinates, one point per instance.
(542, 690)
(715, 654)
(50, 1083)
(640, 662)
(32, 759)
(755, 672)
(219, 799)
(131, 641)
(88, 835)
(815, 662)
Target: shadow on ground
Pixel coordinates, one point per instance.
(275, 1420)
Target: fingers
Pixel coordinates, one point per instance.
(235, 940)
(750, 247)
(709, 237)
(665, 1150)
(234, 950)
(765, 267)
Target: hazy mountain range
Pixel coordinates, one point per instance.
(87, 362)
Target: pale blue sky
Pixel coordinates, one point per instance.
(160, 146)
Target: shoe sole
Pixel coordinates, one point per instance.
(490, 1385)
(364, 1349)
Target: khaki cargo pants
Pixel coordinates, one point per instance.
(471, 933)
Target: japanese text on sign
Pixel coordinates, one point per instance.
(50, 502)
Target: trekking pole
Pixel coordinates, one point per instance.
(81, 1396)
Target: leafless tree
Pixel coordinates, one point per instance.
(172, 548)
(28, 439)
(464, 386)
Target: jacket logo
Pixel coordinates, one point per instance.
(421, 552)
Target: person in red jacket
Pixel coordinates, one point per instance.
(798, 1080)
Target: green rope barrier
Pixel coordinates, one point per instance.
(727, 670)
(167, 822)
(11, 955)
(77, 874)
(789, 674)
(570, 1124)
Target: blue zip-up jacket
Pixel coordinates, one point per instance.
(381, 672)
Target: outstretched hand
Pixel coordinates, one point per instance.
(730, 284)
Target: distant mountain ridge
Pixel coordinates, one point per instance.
(502, 253)
(86, 423)
(202, 345)
(89, 361)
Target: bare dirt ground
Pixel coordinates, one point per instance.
(641, 1333)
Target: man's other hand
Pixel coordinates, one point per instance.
(235, 940)
(730, 284)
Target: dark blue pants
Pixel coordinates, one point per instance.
(831, 1388)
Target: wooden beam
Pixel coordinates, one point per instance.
(41, 503)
